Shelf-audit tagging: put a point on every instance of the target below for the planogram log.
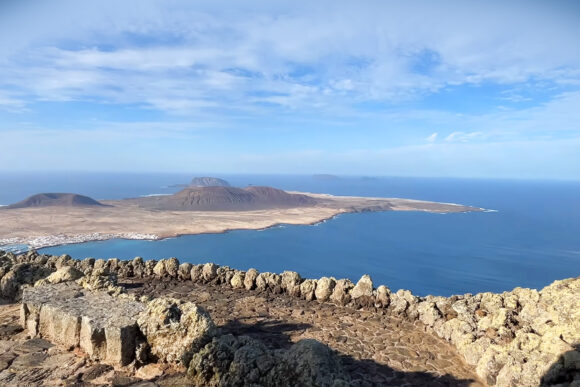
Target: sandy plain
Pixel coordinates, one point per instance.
(50, 226)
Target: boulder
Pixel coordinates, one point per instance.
(364, 287)
(172, 267)
(383, 297)
(138, 267)
(149, 266)
(159, 269)
(87, 265)
(237, 281)
(196, 273)
(113, 265)
(341, 293)
(175, 329)
(125, 269)
(307, 289)
(250, 279)
(184, 271)
(99, 264)
(65, 273)
(290, 283)
(428, 313)
(324, 288)
(101, 280)
(209, 272)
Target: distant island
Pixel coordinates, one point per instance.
(325, 176)
(55, 199)
(225, 198)
(208, 182)
(52, 219)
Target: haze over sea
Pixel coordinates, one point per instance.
(530, 241)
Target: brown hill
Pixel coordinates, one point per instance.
(55, 199)
(226, 199)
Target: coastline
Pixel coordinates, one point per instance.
(54, 226)
(37, 243)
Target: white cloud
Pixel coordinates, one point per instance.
(432, 137)
(464, 137)
(324, 55)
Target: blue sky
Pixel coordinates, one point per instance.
(418, 88)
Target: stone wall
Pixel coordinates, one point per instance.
(512, 338)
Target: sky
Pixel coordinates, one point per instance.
(388, 88)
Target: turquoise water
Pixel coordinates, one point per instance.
(532, 240)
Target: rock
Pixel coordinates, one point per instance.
(341, 293)
(138, 267)
(113, 265)
(491, 302)
(87, 265)
(125, 269)
(237, 361)
(309, 363)
(99, 264)
(290, 282)
(159, 269)
(262, 281)
(65, 273)
(237, 281)
(184, 271)
(364, 287)
(383, 297)
(250, 279)
(21, 274)
(307, 289)
(489, 365)
(195, 273)
(102, 326)
(63, 260)
(175, 329)
(172, 267)
(9, 285)
(224, 274)
(428, 313)
(209, 272)
(149, 266)
(101, 280)
(324, 288)
(269, 281)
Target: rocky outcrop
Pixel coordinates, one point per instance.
(175, 329)
(101, 325)
(512, 338)
(242, 361)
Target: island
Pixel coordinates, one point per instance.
(71, 218)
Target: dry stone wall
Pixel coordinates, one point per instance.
(521, 337)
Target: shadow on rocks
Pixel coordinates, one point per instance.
(565, 371)
(275, 335)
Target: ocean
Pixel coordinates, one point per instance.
(530, 239)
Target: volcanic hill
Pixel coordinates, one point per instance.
(226, 199)
(208, 182)
(55, 199)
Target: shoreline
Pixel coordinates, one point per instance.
(42, 227)
(39, 243)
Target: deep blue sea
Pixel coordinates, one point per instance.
(532, 239)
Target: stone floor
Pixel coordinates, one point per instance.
(376, 348)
